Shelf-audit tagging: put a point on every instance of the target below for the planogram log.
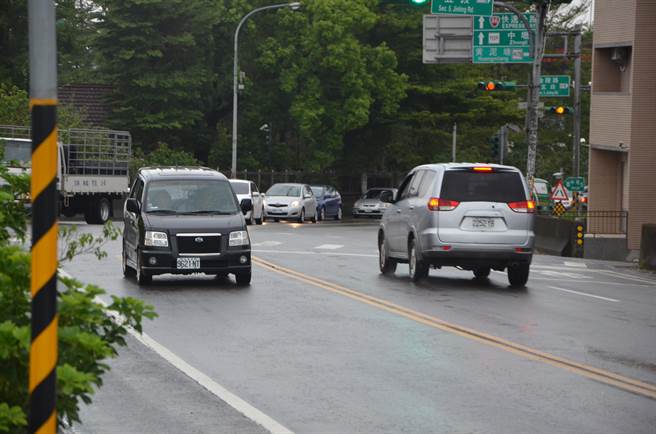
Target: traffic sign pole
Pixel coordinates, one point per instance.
(576, 136)
(43, 106)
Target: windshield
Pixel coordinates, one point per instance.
(289, 190)
(318, 191)
(17, 150)
(190, 197)
(240, 187)
(372, 194)
(466, 186)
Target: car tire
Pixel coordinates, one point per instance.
(386, 264)
(243, 278)
(518, 275)
(417, 267)
(339, 214)
(98, 211)
(127, 270)
(314, 218)
(355, 216)
(301, 217)
(143, 278)
(322, 214)
(261, 219)
(481, 272)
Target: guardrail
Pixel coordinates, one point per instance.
(597, 222)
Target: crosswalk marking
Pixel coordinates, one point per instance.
(575, 264)
(267, 244)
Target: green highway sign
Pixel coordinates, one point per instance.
(462, 7)
(502, 38)
(575, 183)
(554, 85)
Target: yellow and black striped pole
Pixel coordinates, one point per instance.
(43, 106)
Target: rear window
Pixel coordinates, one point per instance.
(465, 186)
(240, 187)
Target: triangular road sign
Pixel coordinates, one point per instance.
(559, 192)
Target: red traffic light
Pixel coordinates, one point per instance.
(490, 86)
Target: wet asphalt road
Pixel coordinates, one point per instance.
(317, 360)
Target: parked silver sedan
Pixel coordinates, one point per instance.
(370, 205)
(291, 202)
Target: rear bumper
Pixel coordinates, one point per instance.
(226, 262)
(471, 255)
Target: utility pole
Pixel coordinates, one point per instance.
(453, 142)
(503, 142)
(576, 135)
(541, 10)
(43, 106)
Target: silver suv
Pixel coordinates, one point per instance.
(474, 216)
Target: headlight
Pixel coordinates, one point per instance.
(238, 238)
(156, 239)
(384, 205)
(294, 204)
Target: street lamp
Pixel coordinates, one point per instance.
(235, 73)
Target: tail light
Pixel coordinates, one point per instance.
(527, 206)
(584, 199)
(437, 204)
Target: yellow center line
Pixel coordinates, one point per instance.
(625, 383)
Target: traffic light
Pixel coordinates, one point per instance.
(491, 86)
(560, 110)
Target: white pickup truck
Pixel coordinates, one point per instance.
(92, 170)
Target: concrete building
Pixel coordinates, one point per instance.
(622, 171)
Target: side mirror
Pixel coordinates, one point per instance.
(387, 197)
(246, 205)
(131, 205)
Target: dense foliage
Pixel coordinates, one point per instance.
(341, 83)
(89, 331)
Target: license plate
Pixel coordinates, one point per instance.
(275, 212)
(482, 223)
(188, 263)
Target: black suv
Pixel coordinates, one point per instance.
(184, 220)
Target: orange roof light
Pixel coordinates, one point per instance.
(482, 169)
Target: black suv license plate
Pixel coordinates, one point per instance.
(188, 263)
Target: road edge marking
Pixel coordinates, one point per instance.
(243, 407)
(606, 377)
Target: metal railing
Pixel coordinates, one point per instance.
(87, 151)
(597, 222)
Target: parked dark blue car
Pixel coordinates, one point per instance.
(329, 202)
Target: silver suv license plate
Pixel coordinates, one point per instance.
(188, 263)
(480, 223)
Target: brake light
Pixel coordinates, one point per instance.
(437, 204)
(482, 169)
(527, 206)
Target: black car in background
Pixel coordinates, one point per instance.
(185, 220)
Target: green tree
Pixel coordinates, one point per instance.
(154, 54)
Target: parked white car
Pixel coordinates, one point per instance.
(245, 189)
(291, 202)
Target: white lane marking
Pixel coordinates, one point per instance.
(597, 282)
(330, 246)
(562, 274)
(629, 277)
(575, 264)
(212, 386)
(267, 244)
(585, 294)
(302, 252)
